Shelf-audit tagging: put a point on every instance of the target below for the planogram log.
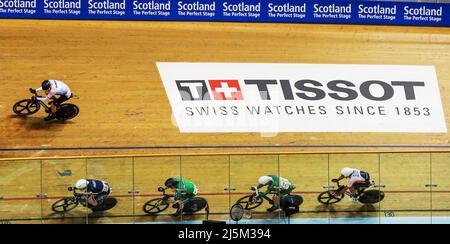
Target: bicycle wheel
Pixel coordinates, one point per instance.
(329, 197)
(371, 197)
(194, 205)
(250, 202)
(64, 205)
(237, 212)
(26, 107)
(67, 111)
(155, 206)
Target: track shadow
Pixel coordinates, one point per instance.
(67, 218)
(366, 210)
(324, 208)
(369, 208)
(36, 123)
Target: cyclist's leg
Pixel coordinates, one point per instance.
(54, 107)
(51, 116)
(192, 205)
(57, 102)
(287, 192)
(354, 191)
(187, 204)
(364, 186)
(276, 202)
(178, 206)
(188, 200)
(100, 198)
(276, 199)
(83, 202)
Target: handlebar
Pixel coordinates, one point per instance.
(258, 193)
(32, 91)
(163, 191)
(76, 194)
(337, 183)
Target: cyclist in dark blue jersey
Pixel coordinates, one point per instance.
(93, 191)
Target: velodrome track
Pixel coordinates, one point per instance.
(125, 111)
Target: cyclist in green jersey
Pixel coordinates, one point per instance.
(276, 185)
(184, 191)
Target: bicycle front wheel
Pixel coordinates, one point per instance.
(330, 197)
(250, 202)
(26, 107)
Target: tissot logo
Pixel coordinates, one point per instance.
(249, 97)
(226, 89)
(310, 90)
(194, 90)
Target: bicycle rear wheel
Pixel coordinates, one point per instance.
(67, 111)
(194, 205)
(371, 197)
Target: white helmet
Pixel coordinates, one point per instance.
(264, 180)
(346, 172)
(81, 184)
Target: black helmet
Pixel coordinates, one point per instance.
(171, 182)
(46, 85)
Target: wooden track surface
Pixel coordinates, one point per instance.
(111, 67)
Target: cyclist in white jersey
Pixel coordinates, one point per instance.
(53, 88)
(358, 181)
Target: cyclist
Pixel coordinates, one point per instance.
(184, 191)
(93, 191)
(276, 185)
(358, 182)
(51, 89)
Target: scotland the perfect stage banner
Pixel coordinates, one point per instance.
(278, 11)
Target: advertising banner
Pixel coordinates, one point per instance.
(262, 97)
(286, 11)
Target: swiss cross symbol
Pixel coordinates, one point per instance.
(226, 89)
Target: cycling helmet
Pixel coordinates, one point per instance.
(81, 184)
(46, 85)
(171, 182)
(264, 180)
(347, 172)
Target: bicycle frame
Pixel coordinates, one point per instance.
(80, 197)
(347, 192)
(165, 196)
(258, 195)
(44, 105)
